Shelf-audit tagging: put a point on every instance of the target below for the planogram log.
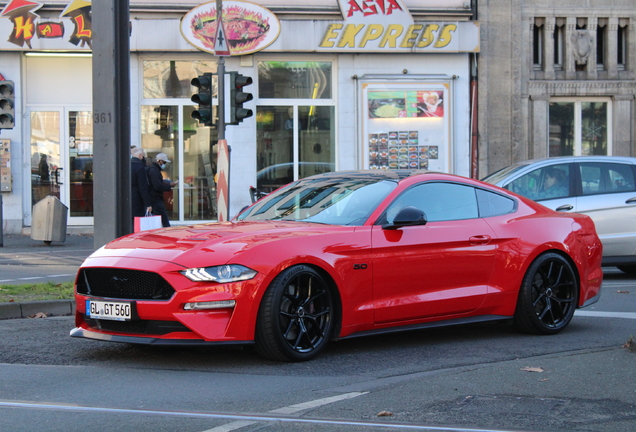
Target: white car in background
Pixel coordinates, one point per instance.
(602, 187)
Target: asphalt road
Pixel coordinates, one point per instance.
(23, 260)
(480, 378)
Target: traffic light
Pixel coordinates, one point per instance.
(238, 97)
(7, 105)
(205, 112)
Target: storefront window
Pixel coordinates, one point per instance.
(317, 136)
(171, 79)
(594, 128)
(169, 128)
(296, 137)
(193, 164)
(561, 129)
(294, 80)
(81, 163)
(45, 155)
(274, 147)
(283, 155)
(579, 127)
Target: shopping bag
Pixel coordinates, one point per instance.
(147, 222)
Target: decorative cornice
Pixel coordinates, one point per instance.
(582, 88)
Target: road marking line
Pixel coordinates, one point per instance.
(288, 410)
(37, 277)
(628, 315)
(243, 417)
(316, 403)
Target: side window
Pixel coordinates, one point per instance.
(492, 204)
(439, 201)
(606, 178)
(543, 183)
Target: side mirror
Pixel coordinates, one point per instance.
(408, 216)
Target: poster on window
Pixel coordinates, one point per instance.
(406, 126)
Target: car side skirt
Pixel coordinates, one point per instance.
(87, 334)
(432, 324)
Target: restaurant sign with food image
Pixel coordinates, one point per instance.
(406, 128)
(248, 27)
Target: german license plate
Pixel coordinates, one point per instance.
(110, 310)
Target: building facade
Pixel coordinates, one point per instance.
(556, 78)
(344, 85)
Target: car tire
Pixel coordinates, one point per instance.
(296, 316)
(548, 296)
(629, 269)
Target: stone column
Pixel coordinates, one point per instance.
(568, 57)
(539, 139)
(548, 38)
(592, 25)
(622, 125)
(611, 55)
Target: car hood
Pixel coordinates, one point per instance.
(191, 246)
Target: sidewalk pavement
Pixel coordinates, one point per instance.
(78, 244)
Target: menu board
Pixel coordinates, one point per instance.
(408, 127)
(399, 150)
(5, 165)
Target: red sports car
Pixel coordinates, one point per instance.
(340, 255)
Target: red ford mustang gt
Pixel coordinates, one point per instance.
(340, 255)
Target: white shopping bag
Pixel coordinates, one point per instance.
(147, 222)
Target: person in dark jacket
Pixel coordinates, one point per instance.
(141, 202)
(158, 186)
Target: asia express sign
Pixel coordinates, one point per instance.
(387, 25)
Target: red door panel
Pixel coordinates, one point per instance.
(441, 268)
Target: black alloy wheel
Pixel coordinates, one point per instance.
(295, 318)
(548, 296)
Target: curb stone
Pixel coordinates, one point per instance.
(49, 307)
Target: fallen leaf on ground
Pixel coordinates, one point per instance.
(630, 344)
(38, 315)
(532, 369)
(385, 414)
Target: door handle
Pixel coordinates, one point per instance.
(57, 176)
(479, 239)
(565, 207)
(631, 201)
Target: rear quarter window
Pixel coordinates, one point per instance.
(493, 204)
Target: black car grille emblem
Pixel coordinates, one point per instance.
(119, 282)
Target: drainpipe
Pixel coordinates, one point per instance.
(474, 130)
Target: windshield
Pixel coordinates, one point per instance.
(498, 176)
(326, 200)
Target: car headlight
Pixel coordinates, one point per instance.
(222, 274)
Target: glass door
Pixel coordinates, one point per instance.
(79, 160)
(62, 161)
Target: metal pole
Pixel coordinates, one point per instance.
(221, 96)
(1, 218)
(111, 120)
(221, 128)
(221, 77)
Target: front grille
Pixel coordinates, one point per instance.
(123, 284)
(152, 327)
